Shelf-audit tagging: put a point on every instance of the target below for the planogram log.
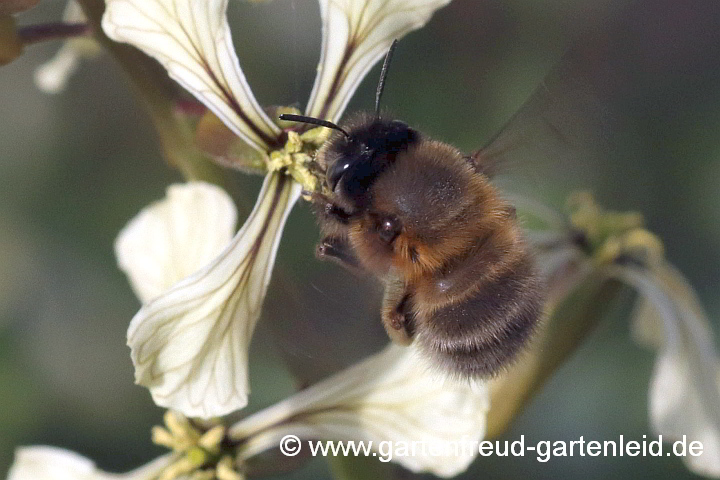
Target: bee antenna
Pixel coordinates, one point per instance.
(313, 121)
(383, 76)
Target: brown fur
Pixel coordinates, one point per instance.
(460, 279)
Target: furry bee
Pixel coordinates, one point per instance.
(459, 277)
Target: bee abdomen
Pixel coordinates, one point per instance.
(480, 335)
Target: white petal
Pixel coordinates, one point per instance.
(175, 237)
(685, 388)
(356, 34)
(191, 39)
(392, 396)
(52, 463)
(189, 345)
(52, 76)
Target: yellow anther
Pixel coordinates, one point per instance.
(211, 439)
(203, 475)
(316, 136)
(160, 436)
(294, 143)
(279, 159)
(225, 471)
(177, 469)
(605, 230)
(644, 246)
(176, 423)
(296, 157)
(608, 252)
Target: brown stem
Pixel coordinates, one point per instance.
(52, 31)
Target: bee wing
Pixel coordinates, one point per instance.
(563, 121)
(614, 96)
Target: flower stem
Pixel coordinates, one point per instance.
(52, 31)
(564, 331)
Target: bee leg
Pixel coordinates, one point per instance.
(338, 250)
(328, 211)
(396, 314)
(315, 167)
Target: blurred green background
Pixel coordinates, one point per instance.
(75, 167)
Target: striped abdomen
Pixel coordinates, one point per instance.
(493, 304)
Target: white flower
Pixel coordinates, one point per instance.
(685, 386)
(684, 397)
(189, 345)
(52, 463)
(175, 237)
(356, 34)
(52, 76)
(191, 39)
(390, 397)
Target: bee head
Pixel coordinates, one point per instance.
(355, 160)
(365, 149)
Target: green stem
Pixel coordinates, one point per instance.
(568, 325)
(158, 93)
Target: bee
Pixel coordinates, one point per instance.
(460, 279)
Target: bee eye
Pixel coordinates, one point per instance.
(336, 172)
(388, 228)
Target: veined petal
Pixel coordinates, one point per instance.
(52, 76)
(191, 39)
(390, 397)
(356, 34)
(685, 387)
(175, 237)
(189, 346)
(52, 463)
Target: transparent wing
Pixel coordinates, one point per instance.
(630, 83)
(563, 122)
